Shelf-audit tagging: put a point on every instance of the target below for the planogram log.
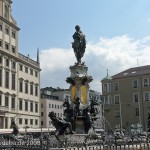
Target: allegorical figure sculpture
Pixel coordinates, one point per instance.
(93, 110)
(15, 127)
(79, 44)
(148, 123)
(60, 125)
(88, 123)
(69, 114)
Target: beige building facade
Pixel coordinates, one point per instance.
(126, 98)
(19, 76)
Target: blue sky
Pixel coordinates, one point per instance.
(117, 34)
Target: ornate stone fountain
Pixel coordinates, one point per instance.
(79, 111)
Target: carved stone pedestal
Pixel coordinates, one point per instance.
(80, 125)
(79, 84)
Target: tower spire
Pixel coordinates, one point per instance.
(107, 72)
(38, 60)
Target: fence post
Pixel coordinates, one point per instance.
(116, 142)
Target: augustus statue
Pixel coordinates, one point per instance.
(79, 43)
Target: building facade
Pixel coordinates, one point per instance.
(99, 122)
(126, 98)
(52, 99)
(19, 76)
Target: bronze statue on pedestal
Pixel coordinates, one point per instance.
(79, 44)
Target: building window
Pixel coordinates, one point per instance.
(36, 122)
(13, 103)
(36, 90)
(146, 96)
(134, 83)
(20, 67)
(6, 101)
(13, 81)
(116, 86)
(1, 59)
(42, 113)
(20, 86)
(1, 77)
(7, 62)
(31, 89)
(13, 49)
(26, 105)
(26, 87)
(36, 107)
(31, 121)
(13, 35)
(26, 121)
(36, 74)
(20, 104)
(41, 123)
(135, 97)
(146, 82)
(6, 123)
(31, 106)
(107, 99)
(49, 105)
(1, 45)
(7, 31)
(1, 28)
(52, 106)
(6, 46)
(13, 64)
(117, 99)
(117, 113)
(26, 69)
(20, 120)
(31, 71)
(6, 79)
(0, 100)
(136, 111)
(106, 87)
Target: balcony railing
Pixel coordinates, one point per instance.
(27, 59)
(3, 109)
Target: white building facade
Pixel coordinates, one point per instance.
(50, 102)
(19, 76)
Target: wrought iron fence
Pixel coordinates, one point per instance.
(49, 142)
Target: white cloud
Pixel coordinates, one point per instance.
(115, 54)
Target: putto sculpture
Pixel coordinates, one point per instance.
(79, 43)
